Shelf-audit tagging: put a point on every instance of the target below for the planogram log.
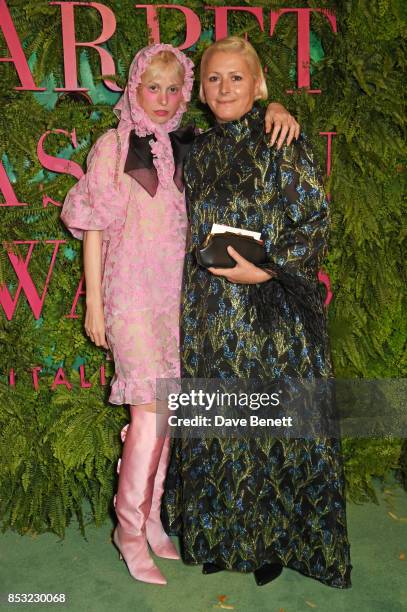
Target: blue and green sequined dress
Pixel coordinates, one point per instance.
(240, 503)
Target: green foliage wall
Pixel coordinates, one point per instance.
(58, 448)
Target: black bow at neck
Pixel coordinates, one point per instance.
(139, 163)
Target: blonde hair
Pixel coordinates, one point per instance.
(235, 44)
(166, 58)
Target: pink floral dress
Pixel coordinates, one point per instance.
(143, 248)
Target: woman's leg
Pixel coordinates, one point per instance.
(140, 460)
(156, 536)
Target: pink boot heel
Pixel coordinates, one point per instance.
(159, 541)
(138, 467)
(134, 552)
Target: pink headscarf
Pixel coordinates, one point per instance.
(132, 116)
(98, 200)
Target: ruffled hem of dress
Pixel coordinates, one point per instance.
(140, 391)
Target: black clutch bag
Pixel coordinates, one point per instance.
(213, 252)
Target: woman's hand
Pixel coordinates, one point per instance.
(95, 324)
(280, 119)
(244, 271)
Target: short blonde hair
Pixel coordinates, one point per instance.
(235, 44)
(167, 59)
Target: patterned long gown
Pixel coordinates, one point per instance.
(240, 503)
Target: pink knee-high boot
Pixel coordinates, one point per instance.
(156, 536)
(138, 467)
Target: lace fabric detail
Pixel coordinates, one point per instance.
(134, 117)
(98, 199)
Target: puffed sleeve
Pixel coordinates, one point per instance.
(300, 243)
(93, 203)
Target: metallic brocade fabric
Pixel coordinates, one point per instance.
(240, 503)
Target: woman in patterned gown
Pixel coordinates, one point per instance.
(256, 504)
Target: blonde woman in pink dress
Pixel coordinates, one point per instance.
(129, 210)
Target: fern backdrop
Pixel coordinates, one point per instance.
(58, 446)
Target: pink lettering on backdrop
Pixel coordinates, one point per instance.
(329, 149)
(80, 291)
(47, 200)
(35, 376)
(192, 23)
(323, 278)
(221, 18)
(60, 379)
(303, 41)
(17, 54)
(58, 164)
(7, 190)
(193, 31)
(70, 43)
(25, 281)
(84, 383)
